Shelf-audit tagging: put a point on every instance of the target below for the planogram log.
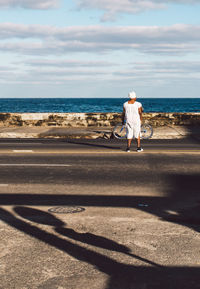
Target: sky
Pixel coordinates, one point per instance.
(99, 48)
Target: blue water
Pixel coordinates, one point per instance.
(96, 104)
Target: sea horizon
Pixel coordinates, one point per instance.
(103, 97)
(89, 105)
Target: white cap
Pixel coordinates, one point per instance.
(132, 94)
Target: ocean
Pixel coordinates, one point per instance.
(22, 105)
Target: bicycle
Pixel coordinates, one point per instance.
(120, 131)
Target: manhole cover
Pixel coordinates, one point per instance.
(66, 210)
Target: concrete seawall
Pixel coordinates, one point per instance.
(71, 120)
(93, 125)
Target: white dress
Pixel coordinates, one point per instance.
(132, 117)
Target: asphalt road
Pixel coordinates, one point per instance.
(85, 214)
(96, 146)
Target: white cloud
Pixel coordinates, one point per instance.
(150, 78)
(150, 71)
(5, 68)
(176, 66)
(37, 39)
(48, 70)
(68, 63)
(161, 70)
(112, 8)
(30, 4)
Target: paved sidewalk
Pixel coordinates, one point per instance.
(164, 132)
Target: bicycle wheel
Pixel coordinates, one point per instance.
(146, 131)
(120, 131)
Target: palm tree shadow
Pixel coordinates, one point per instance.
(101, 242)
(38, 216)
(41, 217)
(94, 240)
(102, 262)
(120, 275)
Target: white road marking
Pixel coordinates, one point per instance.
(23, 151)
(34, 165)
(60, 152)
(22, 144)
(117, 152)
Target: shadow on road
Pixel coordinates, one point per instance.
(120, 275)
(92, 144)
(193, 130)
(182, 198)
